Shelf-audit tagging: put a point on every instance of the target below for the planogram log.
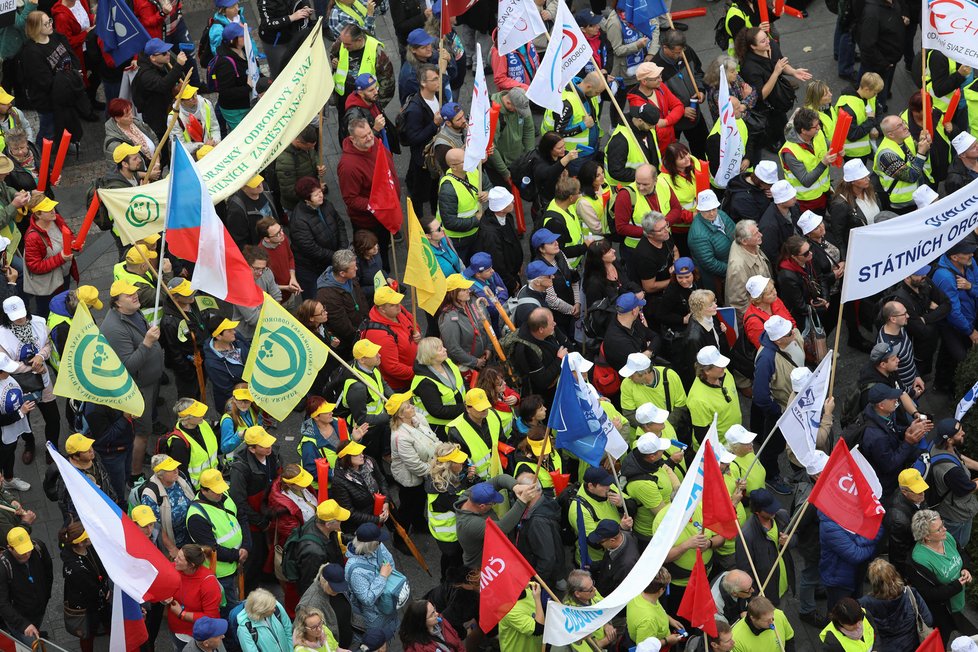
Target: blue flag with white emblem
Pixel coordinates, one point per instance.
(123, 36)
(577, 426)
(641, 13)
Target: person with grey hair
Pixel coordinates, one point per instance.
(650, 266)
(678, 61)
(937, 570)
(900, 166)
(740, 89)
(582, 592)
(369, 567)
(338, 290)
(732, 591)
(263, 625)
(746, 259)
(538, 534)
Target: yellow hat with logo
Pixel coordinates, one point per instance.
(365, 349)
(78, 443)
(88, 294)
(143, 515)
(45, 205)
(258, 436)
(255, 181)
(458, 456)
(20, 540)
(243, 394)
(385, 295)
(182, 288)
(477, 400)
(395, 402)
(457, 282)
(213, 480)
(323, 408)
(166, 464)
(188, 92)
(133, 255)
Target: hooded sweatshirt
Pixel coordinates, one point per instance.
(471, 526)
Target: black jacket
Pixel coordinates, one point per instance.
(25, 588)
(231, 75)
(776, 229)
(502, 243)
(350, 492)
(316, 551)
(152, 90)
(922, 319)
(419, 128)
(407, 15)
(112, 430)
(37, 72)
(676, 78)
(616, 153)
(86, 582)
(538, 539)
(274, 26)
(250, 483)
(896, 524)
(880, 34)
(316, 235)
(620, 341)
(695, 338)
(796, 291)
(958, 176)
(616, 564)
(536, 361)
(763, 551)
(843, 217)
(427, 392)
(242, 214)
(745, 200)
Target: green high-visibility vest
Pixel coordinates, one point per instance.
(368, 61)
(899, 192)
(203, 457)
(861, 109)
(441, 524)
(376, 406)
(120, 273)
(468, 200)
(810, 158)
(53, 320)
(582, 139)
(633, 159)
(481, 455)
(448, 395)
(224, 525)
(573, 225)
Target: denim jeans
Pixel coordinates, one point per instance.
(806, 588)
(960, 531)
(844, 49)
(117, 466)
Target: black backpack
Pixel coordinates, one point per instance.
(290, 552)
(597, 318)
(370, 325)
(853, 433)
(522, 174)
(400, 122)
(720, 36)
(204, 52)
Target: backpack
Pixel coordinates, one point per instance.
(231, 641)
(925, 464)
(604, 377)
(430, 162)
(400, 121)
(508, 345)
(102, 219)
(211, 81)
(204, 52)
(163, 443)
(744, 353)
(522, 173)
(853, 405)
(853, 433)
(370, 325)
(720, 36)
(596, 321)
(290, 552)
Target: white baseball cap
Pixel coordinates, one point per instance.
(710, 356)
(756, 285)
(6, 364)
(4, 243)
(499, 198)
(924, 196)
(724, 456)
(767, 171)
(635, 362)
(707, 200)
(14, 307)
(799, 377)
(777, 327)
(962, 142)
(579, 363)
(782, 191)
(650, 413)
(854, 170)
(808, 222)
(737, 434)
(649, 443)
(816, 463)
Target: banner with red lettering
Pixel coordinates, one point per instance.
(505, 573)
(950, 27)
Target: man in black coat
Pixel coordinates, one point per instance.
(675, 75)
(749, 193)
(497, 237)
(627, 334)
(620, 555)
(907, 501)
(927, 308)
(880, 33)
(252, 474)
(26, 578)
(538, 354)
(421, 124)
(153, 86)
(538, 532)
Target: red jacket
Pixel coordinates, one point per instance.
(150, 15)
(451, 638)
(65, 23)
(670, 108)
(356, 169)
(754, 327)
(674, 212)
(36, 242)
(288, 516)
(200, 594)
(397, 351)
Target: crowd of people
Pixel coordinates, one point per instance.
(586, 242)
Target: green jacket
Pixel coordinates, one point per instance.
(290, 166)
(514, 135)
(12, 37)
(710, 248)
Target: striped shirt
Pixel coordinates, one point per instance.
(902, 346)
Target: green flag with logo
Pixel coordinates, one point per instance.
(285, 358)
(91, 371)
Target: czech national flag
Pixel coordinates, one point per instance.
(135, 566)
(194, 232)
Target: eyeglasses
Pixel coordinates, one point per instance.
(259, 270)
(276, 235)
(591, 589)
(805, 254)
(48, 22)
(726, 394)
(319, 314)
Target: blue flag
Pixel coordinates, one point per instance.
(640, 13)
(580, 425)
(123, 36)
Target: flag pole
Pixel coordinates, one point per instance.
(835, 349)
(689, 71)
(743, 541)
(394, 258)
(553, 596)
(614, 472)
(757, 455)
(175, 111)
(791, 533)
(357, 373)
(159, 277)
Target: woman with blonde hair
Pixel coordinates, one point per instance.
(450, 474)
(703, 329)
(818, 98)
(240, 415)
(893, 607)
(263, 625)
(413, 444)
(310, 634)
(438, 387)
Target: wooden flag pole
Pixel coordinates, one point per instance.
(777, 561)
(689, 71)
(175, 110)
(750, 559)
(553, 596)
(835, 349)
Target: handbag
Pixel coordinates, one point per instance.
(278, 551)
(816, 346)
(396, 593)
(29, 381)
(923, 629)
(76, 622)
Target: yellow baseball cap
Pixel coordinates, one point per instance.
(166, 464)
(323, 408)
(330, 510)
(536, 445)
(224, 325)
(88, 294)
(457, 282)
(255, 181)
(122, 287)
(395, 402)
(365, 349)
(123, 151)
(304, 479)
(202, 151)
(5, 97)
(213, 480)
(912, 480)
(476, 398)
(458, 456)
(243, 394)
(188, 91)
(386, 295)
(352, 448)
(182, 288)
(132, 256)
(46, 204)
(195, 409)
(20, 540)
(84, 535)
(78, 443)
(143, 515)
(150, 240)
(258, 436)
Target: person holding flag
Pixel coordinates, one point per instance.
(579, 120)
(764, 629)
(196, 118)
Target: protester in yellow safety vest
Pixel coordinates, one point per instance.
(851, 629)
(939, 156)
(193, 442)
(197, 120)
(596, 501)
(579, 122)
(765, 629)
(538, 445)
(437, 385)
(323, 435)
(213, 521)
(806, 159)
(135, 269)
(62, 308)
(944, 76)
(354, 53)
(713, 142)
(461, 195)
(363, 405)
(355, 12)
(592, 204)
(861, 105)
(900, 163)
(12, 118)
(240, 415)
(478, 431)
(624, 154)
(449, 476)
(818, 98)
(561, 219)
(741, 15)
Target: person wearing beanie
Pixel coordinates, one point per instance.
(950, 472)
(498, 239)
(621, 157)
(451, 135)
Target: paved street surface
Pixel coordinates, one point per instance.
(808, 44)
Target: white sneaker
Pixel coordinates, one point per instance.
(16, 484)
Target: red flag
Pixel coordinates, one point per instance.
(844, 495)
(928, 114)
(504, 576)
(697, 605)
(932, 643)
(450, 9)
(385, 192)
(719, 514)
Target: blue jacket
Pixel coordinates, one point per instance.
(964, 303)
(885, 448)
(224, 372)
(763, 372)
(407, 80)
(842, 553)
(894, 620)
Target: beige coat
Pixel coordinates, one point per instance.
(741, 265)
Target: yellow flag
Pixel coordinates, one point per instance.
(422, 271)
(91, 371)
(285, 358)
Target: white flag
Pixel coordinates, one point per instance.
(566, 55)
(800, 421)
(731, 146)
(519, 23)
(948, 27)
(254, 73)
(477, 137)
(966, 402)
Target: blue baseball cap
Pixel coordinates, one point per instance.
(156, 46)
(224, 4)
(539, 268)
(923, 271)
(597, 475)
(587, 18)
(371, 532)
(880, 392)
(485, 494)
(684, 265)
(373, 639)
(419, 38)
(232, 31)
(205, 628)
(606, 529)
(479, 262)
(762, 500)
(450, 110)
(333, 575)
(628, 302)
(542, 237)
(364, 80)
